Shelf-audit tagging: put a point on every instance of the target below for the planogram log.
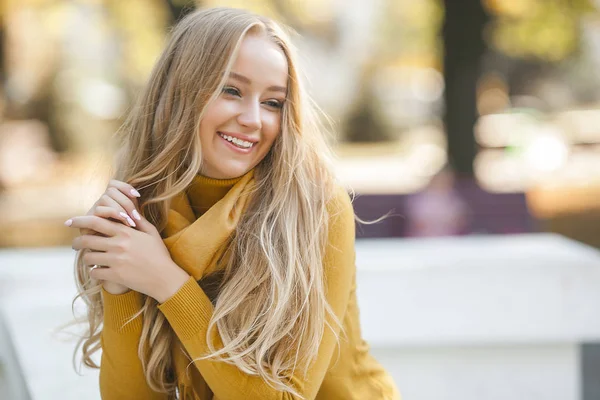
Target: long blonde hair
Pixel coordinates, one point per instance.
(272, 324)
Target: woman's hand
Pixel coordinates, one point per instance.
(134, 258)
(119, 202)
(121, 197)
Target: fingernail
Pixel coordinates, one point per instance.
(69, 222)
(137, 215)
(135, 193)
(129, 220)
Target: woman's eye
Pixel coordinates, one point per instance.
(274, 103)
(231, 90)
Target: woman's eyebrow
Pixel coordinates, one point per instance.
(247, 81)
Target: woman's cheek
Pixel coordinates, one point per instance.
(223, 109)
(272, 124)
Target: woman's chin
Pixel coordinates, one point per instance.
(231, 172)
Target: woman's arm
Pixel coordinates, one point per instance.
(189, 312)
(121, 374)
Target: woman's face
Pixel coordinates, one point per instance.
(247, 112)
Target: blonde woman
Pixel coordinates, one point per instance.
(219, 263)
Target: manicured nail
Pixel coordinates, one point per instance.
(69, 222)
(137, 215)
(135, 193)
(129, 220)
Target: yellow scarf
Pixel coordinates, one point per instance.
(196, 244)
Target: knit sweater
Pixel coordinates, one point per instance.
(341, 372)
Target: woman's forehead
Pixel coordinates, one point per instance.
(261, 63)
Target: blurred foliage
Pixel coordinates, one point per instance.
(548, 30)
(308, 17)
(72, 63)
(292, 12)
(409, 32)
(263, 7)
(141, 25)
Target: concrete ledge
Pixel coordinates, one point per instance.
(533, 288)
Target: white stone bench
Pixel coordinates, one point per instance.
(491, 317)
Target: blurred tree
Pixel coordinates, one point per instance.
(408, 33)
(464, 47)
(363, 124)
(2, 58)
(31, 71)
(2, 61)
(140, 28)
(537, 29)
(316, 18)
(2, 74)
(179, 8)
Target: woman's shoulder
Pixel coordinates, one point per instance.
(341, 214)
(340, 203)
(339, 259)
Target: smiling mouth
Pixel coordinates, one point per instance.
(241, 144)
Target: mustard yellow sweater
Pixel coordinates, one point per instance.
(351, 373)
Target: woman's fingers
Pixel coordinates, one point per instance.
(111, 212)
(119, 196)
(124, 187)
(123, 194)
(101, 273)
(91, 242)
(114, 198)
(107, 200)
(95, 258)
(114, 211)
(95, 223)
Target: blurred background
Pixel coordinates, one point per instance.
(490, 108)
(471, 118)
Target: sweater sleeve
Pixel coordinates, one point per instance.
(190, 310)
(121, 374)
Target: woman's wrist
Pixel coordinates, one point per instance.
(171, 284)
(114, 288)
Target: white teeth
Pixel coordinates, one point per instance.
(240, 143)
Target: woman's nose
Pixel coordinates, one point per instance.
(250, 115)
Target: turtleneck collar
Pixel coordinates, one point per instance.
(205, 192)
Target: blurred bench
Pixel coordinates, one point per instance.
(488, 212)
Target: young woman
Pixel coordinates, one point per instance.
(230, 272)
